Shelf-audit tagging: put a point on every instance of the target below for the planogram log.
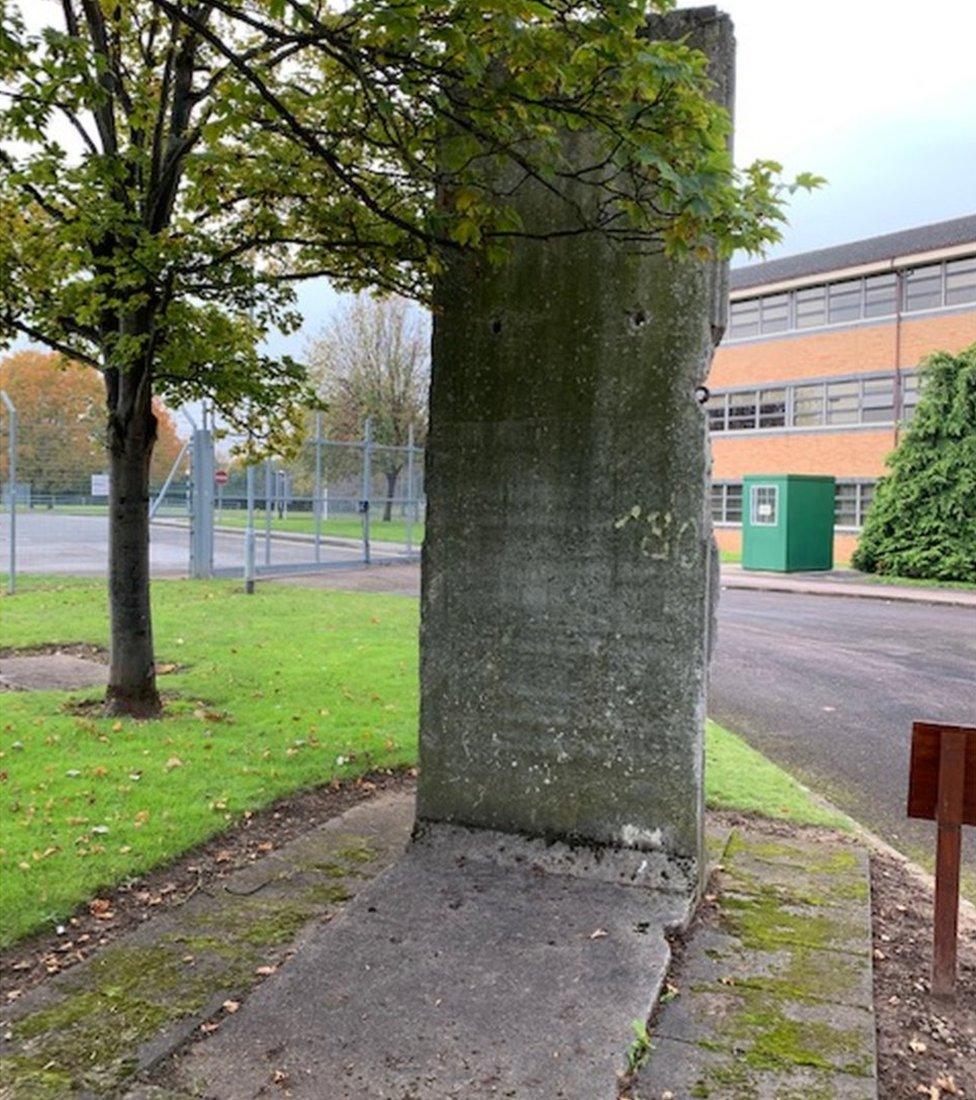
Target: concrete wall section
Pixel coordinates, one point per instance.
(566, 560)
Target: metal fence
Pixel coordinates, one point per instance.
(333, 504)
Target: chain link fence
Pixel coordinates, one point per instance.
(335, 503)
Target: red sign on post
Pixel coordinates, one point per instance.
(221, 477)
(942, 788)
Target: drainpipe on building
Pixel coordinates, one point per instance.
(899, 289)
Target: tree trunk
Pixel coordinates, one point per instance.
(391, 480)
(132, 672)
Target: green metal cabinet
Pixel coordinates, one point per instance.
(787, 522)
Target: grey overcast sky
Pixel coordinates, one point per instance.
(879, 96)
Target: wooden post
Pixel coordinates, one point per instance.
(942, 787)
(948, 815)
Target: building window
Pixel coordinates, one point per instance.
(772, 408)
(775, 313)
(843, 402)
(844, 301)
(961, 281)
(909, 396)
(716, 408)
(811, 307)
(763, 505)
(880, 295)
(923, 288)
(877, 400)
(933, 286)
(837, 402)
(718, 503)
(726, 502)
(744, 318)
(808, 406)
(742, 410)
(851, 502)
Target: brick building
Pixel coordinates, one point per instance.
(817, 370)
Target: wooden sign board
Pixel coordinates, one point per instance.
(923, 784)
(942, 788)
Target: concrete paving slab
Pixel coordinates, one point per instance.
(721, 960)
(687, 1071)
(51, 672)
(453, 976)
(773, 995)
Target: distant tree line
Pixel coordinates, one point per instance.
(61, 425)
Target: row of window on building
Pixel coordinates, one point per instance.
(934, 286)
(851, 502)
(864, 399)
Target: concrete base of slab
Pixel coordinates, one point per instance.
(454, 974)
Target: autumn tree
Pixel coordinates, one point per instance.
(61, 425)
(373, 363)
(170, 168)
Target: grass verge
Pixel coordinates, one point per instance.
(267, 694)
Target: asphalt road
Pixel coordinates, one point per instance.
(59, 542)
(829, 686)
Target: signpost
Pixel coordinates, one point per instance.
(942, 788)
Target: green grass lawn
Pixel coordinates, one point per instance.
(350, 527)
(282, 690)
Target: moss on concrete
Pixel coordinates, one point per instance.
(88, 1040)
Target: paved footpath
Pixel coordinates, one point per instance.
(845, 582)
(311, 973)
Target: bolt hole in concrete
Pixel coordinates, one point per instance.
(496, 327)
(638, 319)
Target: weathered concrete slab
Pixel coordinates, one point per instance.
(774, 991)
(454, 975)
(688, 1071)
(51, 672)
(568, 549)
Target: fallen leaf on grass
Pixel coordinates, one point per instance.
(231, 1006)
(173, 762)
(264, 971)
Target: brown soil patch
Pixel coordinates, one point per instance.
(926, 1047)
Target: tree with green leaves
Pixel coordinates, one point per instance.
(169, 169)
(922, 520)
(372, 362)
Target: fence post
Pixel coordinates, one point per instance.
(367, 484)
(268, 505)
(318, 487)
(202, 523)
(12, 480)
(249, 535)
(409, 516)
